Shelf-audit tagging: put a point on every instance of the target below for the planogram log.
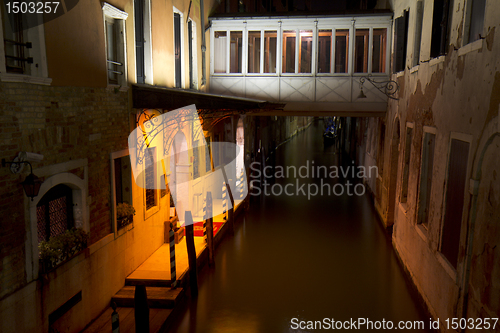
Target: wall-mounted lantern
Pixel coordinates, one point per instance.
(31, 184)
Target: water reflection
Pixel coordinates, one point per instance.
(307, 259)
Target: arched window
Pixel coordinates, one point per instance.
(54, 212)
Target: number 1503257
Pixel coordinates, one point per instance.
(478, 324)
(15, 7)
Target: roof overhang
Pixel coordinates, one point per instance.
(149, 97)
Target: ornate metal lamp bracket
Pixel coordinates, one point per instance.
(387, 87)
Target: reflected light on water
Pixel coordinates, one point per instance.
(232, 322)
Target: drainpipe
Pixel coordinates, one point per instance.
(203, 46)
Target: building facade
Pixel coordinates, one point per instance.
(66, 94)
(437, 152)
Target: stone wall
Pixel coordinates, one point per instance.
(63, 124)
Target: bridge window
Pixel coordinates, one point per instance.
(341, 50)
(289, 51)
(235, 51)
(270, 42)
(305, 51)
(254, 52)
(361, 51)
(379, 50)
(220, 42)
(324, 50)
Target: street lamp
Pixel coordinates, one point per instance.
(31, 184)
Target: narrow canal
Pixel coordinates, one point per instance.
(294, 261)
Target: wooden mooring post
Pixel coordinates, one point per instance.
(230, 214)
(210, 230)
(191, 250)
(141, 309)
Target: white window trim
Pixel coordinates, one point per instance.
(115, 13)
(39, 54)
(183, 53)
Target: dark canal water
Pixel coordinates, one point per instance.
(290, 257)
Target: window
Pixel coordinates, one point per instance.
(379, 50)
(418, 32)
(23, 48)
(424, 190)
(193, 73)
(143, 52)
(475, 19)
(341, 50)
(178, 50)
(114, 23)
(220, 47)
(406, 166)
(254, 51)
(17, 46)
(208, 162)
(455, 190)
(215, 151)
(305, 51)
(139, 40)
(289, 51)
(361, 51)
(324, 50)
(196, 158)
(54, 212)
(439, 38)
(150, 178)
(270, 42)
(235, 52)
(400, 41)
(122, 183)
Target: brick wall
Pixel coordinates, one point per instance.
(63, 124)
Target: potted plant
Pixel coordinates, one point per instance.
(124, 214)
(61, 248)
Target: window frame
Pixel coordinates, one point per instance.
(423, 175)
(466, 38)
(36, 35)
(182, 46)
(119, 17)
(148, 49)
(114, 227)
(156, 192)
(452, 270)
(405, 175)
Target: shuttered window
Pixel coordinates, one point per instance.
(177, 49)
(139, 40)
(400, 41)
(439, 39)
(455, 193)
